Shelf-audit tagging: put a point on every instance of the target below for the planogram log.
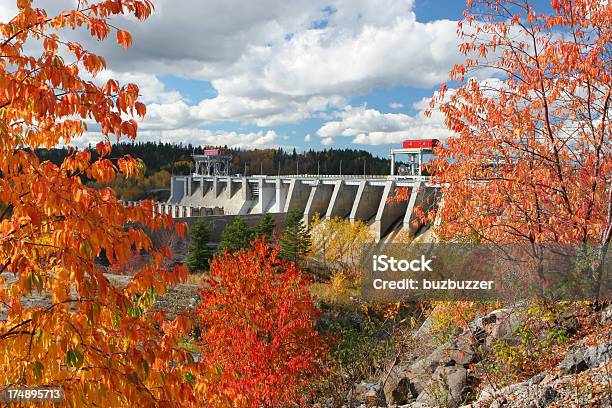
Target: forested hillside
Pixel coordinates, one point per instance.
(176, 159)
(162, 160)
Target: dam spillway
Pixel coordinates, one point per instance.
(365, 198)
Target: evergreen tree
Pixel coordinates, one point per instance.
(236, 236)
(295, 241)
(199, 252)
(265, 227)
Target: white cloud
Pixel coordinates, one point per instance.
(194, 136)
(201, 136)
(270, 66)
(308, 138)
(8, 10)
(372, 127)
(322, 65)
(396, 105)
(334, 61)
(152, 90)
(262, 111)
(328, 141)
(276, 62)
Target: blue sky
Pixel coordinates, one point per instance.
(309, 74)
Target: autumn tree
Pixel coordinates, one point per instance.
(95, 340)
(257, 321)
(530, 161)
(338, 243)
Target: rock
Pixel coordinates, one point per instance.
(536, 379)
(424, 332)
(499, 324)
(414, 405)
(489, 393)
(546, 397)
(598, 355)
(606, 315)
(399, 387)
(454, 353)
(447, 387)
(442, 372)
(363, 387)
(369, 394)
(582, 358)
(372, 399)
(179, 298)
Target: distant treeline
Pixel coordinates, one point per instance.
(176, 159)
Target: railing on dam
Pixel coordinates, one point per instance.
(314, 176)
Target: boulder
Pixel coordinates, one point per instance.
(546, 396)
(457, 352)
(369, 394)
(443, 372)
(499, 324)
(424, 331)
(447, 387)
(400, 386)
(582, 358)
(606, 315)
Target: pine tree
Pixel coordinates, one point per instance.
(236, 236)
(295, 241)
(265, 227)
(199, 252)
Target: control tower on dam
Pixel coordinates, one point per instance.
(211, 191)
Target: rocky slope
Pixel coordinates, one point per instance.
(455, 374)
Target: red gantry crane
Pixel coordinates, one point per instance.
(414, 149)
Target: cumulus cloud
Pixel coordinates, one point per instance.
(333, 62)
(277, 62)
(372, 127)
(263, 111)
(194, 136)
(396, 105)
(308, 138)
(7, 11)
(152, 90)
(202, 136)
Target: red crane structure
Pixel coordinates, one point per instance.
(414, 149)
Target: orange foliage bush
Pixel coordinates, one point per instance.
(257, 329)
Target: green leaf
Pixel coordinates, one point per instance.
(74, 358)
(38, 369)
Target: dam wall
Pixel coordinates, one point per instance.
(365, 198)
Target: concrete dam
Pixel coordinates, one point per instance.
(220, 199)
